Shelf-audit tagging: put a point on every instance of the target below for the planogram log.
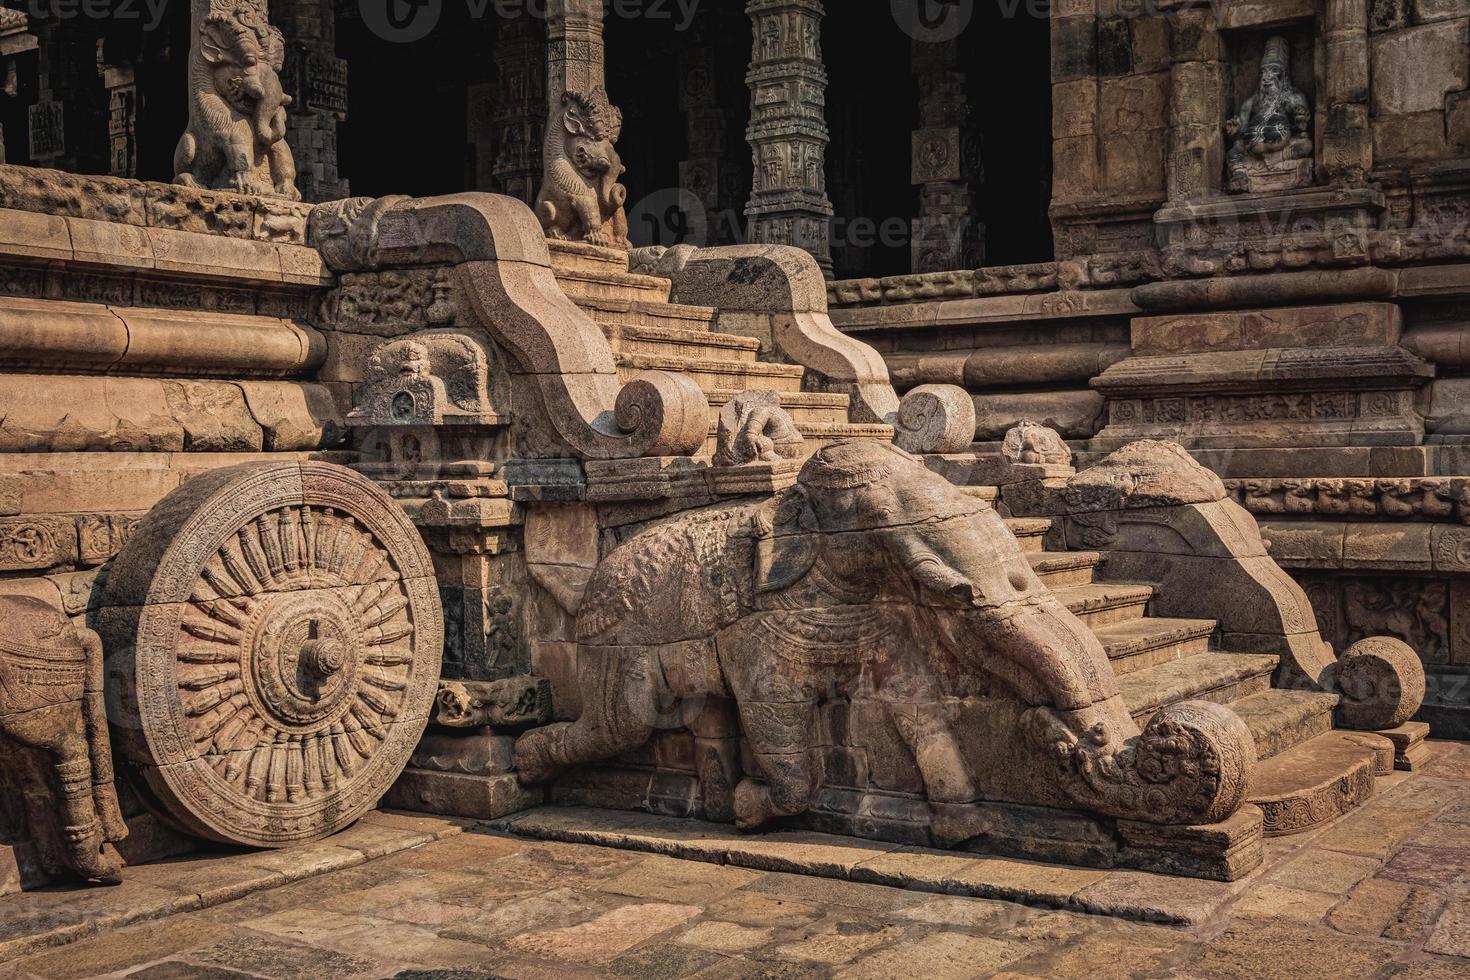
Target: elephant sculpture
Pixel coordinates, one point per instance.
(51, 703)
(236, 139)
(581, 199)
(874, 578)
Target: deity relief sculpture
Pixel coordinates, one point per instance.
(51, 704)
(581, 199)
(754, 428)
(236, 138)
(1272, 148)
(1029, 443)
(876, 580)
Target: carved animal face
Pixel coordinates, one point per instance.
(245, 64)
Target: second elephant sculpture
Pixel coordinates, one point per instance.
(876, 579)
(52, 711)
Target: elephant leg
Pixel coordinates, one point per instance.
(780, 736)
(60, 735)
(927, 731)
(622, 690)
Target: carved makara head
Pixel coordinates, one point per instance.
(592, 125)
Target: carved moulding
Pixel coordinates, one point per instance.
(782, 286)
(274, 635)
(561, 366)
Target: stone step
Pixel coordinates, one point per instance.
(1102, 604)
(804, 407)
(1218, 677)
(717, 374)
(1030, 532)
(1314, 782)
(683, 344)
(638, 313)
(1151, 641)
(1280, 720)
(574, 257)
(582, 285)
(1062, 568)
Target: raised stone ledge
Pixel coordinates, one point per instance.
(27, 236)
(1397, 547)
(145, 204)
(1430, 499)
(1000, 311)
(1040, 277)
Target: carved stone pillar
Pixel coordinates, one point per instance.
(120, 80)
(946, 165)
(518, 114)
(1196, 110)
(580, 199)
(788, 128)
(1347, 141)
(316, 79)
(64, 133)
(708, 174)
(15, 39)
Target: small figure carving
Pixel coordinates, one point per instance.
(1032, 443)
(51, 702)
(754, 428)
(236, 138)
(509, 703)
(1272, 146)
(581, 199)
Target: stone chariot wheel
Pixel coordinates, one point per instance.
(274, 637)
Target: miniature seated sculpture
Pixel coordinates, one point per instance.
(581, 199)
(754, 428)
(875, 579)
(236, 139)
(1272, 146)
(1030, 443)
(51, 703)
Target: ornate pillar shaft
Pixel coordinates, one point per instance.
(120, 80)
(788, 128)
(518, 114)
(63, 123)
(1196, 107)
(15, 39)
(1347, 141)
(946, 165)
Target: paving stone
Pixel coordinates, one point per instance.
(1452, 932)
(941, 956)
(672, 880)
(313, 925)
(1264, 951)
(1370, 908)
(379, 900)
(754, 909)
(1100, 955)
(179, 970)
(118, 950)
(397, 942)
(663, 961)
(555, 908)
(281, 960)
(606, 936)
(725, 937)
(1319, 870)
(1285, 904)
(1414, 916)
(422, 912)
(821, 892)
(1155, 898)
(837, 939)
(965, 913)
(1435, 866)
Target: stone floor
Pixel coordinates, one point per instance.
(1382, 893)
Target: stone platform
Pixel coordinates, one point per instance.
(1381, 893)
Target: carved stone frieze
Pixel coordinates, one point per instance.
(430, 378)
(1407, 499)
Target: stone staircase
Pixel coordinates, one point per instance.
(1307, 773)
(648, 333)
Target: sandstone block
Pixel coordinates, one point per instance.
(1415, 67)
(1342, 325)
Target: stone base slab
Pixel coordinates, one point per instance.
(461, 795)
(35, 920)
(1123, 893)
(1410, 751)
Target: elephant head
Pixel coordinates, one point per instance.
(874, 525)
(245, 61)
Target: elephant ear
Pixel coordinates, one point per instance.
(274, 53)
(787, 539)
(219, 41)
(572, 118)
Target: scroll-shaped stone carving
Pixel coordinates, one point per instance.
(1381, 680)
(935, 419)
(51, 704)
(1166, 521)
(581, 199)
(874, 578)
(570, 402)
(754, 428)
(1030, 443)
(1272, 148)
(514, 702)
(236, 139)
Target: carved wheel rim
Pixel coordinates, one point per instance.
(285, 654)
